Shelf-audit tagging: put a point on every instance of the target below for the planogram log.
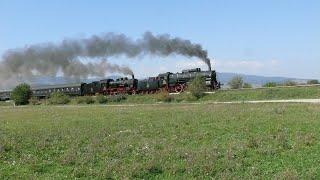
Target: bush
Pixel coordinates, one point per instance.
(101, 99)
(289, 83)
(21, 94)
(270, 84)
(197, 87)
(34, 101)
(314, 81)
(190, 97)
(236, 82)
(84, 100)
(88, 99)
(116, 98)
(58, 98)
(247, 85)
(164, 96)
(79, 100)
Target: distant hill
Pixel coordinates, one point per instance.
(223, 77)
(256, 80)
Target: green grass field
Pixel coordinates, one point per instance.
(164, 141)
(266, 94)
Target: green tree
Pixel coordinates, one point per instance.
(197, 87)
(236, 82)
(21, 94)
(313, 81)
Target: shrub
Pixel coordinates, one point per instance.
(164, 96)
(247, 85)
(84, 100)
(314, 81)
(289, 83)
(116, 98)
(88, 99)
(21, 94)
(190, 97)
(184, 97)
(236, 82)
(270, 84)
(79, 100)
(197, 87)
(101, 99)
(34, 101)
(58, 98)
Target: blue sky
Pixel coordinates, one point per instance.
(271, 37)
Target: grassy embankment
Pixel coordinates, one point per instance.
(266, 94)
(241, 95)
(163, 141)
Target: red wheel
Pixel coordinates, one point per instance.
(178, 88)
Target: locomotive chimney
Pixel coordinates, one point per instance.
(132, 76)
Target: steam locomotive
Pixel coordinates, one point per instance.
(171, 82)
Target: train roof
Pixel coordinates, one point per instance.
(57, 86)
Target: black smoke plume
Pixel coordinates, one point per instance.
(49, 58)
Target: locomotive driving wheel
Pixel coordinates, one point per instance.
(179, 88)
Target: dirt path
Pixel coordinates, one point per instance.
(315, 101)
(312, 101)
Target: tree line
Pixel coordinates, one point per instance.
(238, 82)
